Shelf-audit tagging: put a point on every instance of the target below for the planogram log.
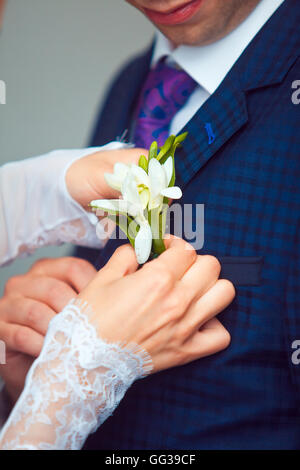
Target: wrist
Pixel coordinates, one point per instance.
(128, 362)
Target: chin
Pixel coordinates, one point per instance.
(188, 36)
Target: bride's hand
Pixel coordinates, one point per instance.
(168, 307)
(85, 177)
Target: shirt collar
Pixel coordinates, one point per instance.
(209, 65)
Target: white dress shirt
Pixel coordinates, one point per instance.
(209, 65)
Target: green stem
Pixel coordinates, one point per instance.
(156, 224)
(124, 226)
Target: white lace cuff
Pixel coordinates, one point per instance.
(74, 386)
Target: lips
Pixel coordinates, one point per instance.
(175, 16)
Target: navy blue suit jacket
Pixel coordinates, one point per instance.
(249, 180)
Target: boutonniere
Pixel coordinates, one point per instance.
(145, 193)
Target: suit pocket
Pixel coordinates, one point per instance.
(242, 270)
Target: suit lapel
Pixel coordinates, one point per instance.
(214, 124)
(265, 62)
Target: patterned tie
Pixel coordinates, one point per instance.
(165, 92)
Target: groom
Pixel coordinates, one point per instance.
(223, 71)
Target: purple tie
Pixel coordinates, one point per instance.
(165, 92)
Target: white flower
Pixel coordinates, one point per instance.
(140, 192)
(133, 205)
(115, 179)
(160, 177)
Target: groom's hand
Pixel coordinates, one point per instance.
(29, 303)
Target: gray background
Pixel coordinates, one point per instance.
(56, 57)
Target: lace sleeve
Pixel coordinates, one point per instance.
(36, 208)
(73, 387)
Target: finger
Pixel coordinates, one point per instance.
(209, 305)
(201, 276)
(74, 271)
(52, 292)
(21, 339)
(122, 263)
(128, 156)
(211, 339)
(27, 312)
(178, 257)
